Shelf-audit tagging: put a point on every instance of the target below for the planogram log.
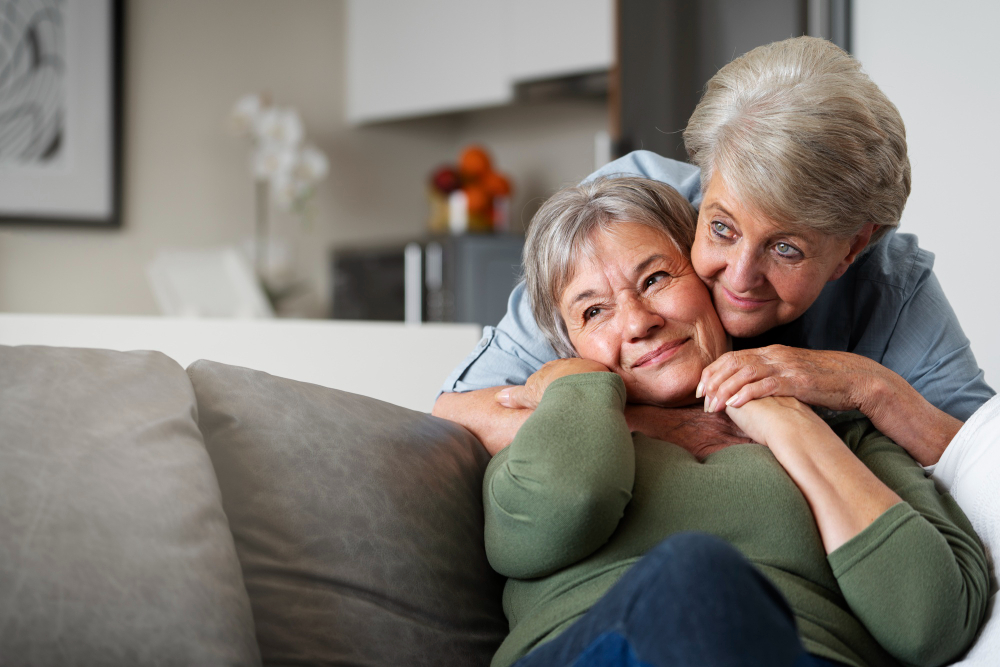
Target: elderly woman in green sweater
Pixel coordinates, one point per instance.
(824, 544)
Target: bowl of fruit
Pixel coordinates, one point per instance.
(470, 196)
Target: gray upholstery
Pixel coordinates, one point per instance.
(114, 549)
(358, 523)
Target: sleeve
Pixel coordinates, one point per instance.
(930, 351)
(507, 354)
(510, 352)
(557, 493)
(917, 577)
(681, 176)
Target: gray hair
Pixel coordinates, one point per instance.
(562, 232)
(803, 135)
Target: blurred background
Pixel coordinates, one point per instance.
(437, 127)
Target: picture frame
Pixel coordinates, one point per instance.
(61, 66)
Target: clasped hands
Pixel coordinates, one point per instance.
(743, 377)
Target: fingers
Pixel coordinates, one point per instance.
(727, 375)
(834, 380)
(735, 398)
(529, 395)
(515, 397)
(719, 371)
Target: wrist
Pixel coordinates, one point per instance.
(875, 390)
(800, 436)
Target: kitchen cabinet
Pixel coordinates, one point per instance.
(423, 57)
(546, 39)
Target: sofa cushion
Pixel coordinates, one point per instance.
(359, 524)
(114, 548)
(969, 470)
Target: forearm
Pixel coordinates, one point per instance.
(558, 492)
(844, 495)
(922, 554)
(836, 380)
(907, 418)
(494, 425)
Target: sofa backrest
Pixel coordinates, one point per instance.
(115, 548)
(358, 524)
(155, 517)
(394, 362)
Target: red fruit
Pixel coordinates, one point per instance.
(445, 180)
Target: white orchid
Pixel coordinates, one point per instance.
(279, 159)
(289, 192)
(270, 160)
(311, 166)
(243, 118)
(278, 125)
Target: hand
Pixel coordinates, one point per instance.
(689, 428)
(528, 396)
(767, 419)
(844, 495)
(834, 380)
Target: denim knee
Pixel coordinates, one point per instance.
(698, 553)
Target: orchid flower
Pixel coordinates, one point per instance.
(277, 125)
(243, 117)
(279, 159)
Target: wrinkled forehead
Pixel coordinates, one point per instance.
(587, 249)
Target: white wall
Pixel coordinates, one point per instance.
(939, 64)
(186, 182)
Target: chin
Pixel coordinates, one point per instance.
(739, 325)
(672, 396)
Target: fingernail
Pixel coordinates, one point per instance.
(707, 401)
(699, 390)
(503, 396)
(715, 402)
(732, 399)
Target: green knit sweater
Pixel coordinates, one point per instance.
(576, 499)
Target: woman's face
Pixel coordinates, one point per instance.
(761, 274)
(636, 306)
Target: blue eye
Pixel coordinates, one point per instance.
(720, 229)
(786, 250)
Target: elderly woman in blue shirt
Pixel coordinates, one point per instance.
(800, 175)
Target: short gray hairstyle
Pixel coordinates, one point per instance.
(562, 231)
(803, 135)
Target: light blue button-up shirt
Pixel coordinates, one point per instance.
(888, 307)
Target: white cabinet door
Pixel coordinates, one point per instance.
(550, 38)
(410, 58)
(417, 57)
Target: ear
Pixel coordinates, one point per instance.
(858, 243)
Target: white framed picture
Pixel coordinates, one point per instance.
(60, 112)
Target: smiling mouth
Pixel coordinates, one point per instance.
(660, 354)
(744, 302)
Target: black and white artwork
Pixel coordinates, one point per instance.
(60, 111)
(32, 80)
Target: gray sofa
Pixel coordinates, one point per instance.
(224, 516)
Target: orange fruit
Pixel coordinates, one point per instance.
(479, 199)
(496, 184)
(474, 163)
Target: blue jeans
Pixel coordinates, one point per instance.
(692, 601)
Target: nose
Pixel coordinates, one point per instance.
(742, 271)
(640, 319)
